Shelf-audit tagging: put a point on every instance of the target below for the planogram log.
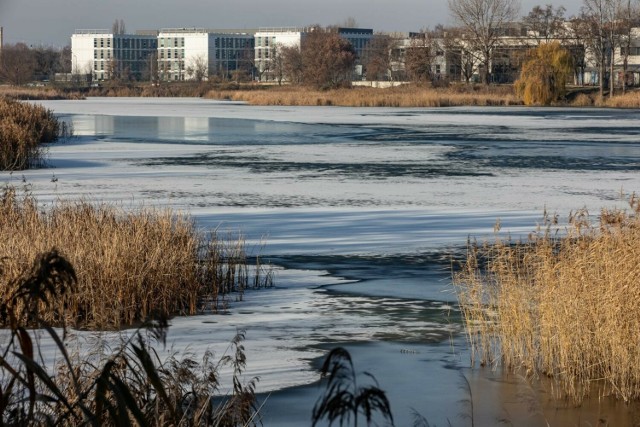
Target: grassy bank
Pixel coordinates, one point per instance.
(25, 129)
(403, 96)
(565, 307)
(129, 264)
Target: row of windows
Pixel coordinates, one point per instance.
(172, 53)
(265, 41)
(171, 41)
(633, 51)
(172, 65)
(120, 54)
(124, 43)
(232, 43)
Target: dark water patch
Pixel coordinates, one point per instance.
(365, 267)
(311, 170)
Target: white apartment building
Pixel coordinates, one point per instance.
(104, 55)
(195, 54)
(267, 41)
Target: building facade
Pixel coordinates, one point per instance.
(267, 42)
(196, 54)
(102, 55)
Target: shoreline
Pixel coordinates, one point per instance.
(404, 96)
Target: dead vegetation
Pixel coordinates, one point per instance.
(560, 305)
(24, 131)
(130, 386)
(130, 264)
(404, 96)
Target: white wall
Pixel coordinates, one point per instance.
(82, 53)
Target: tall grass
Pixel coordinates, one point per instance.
(129, 263)
(40, 93)
(24, 129)
(130, 386)
(411, 96)
(564, 307)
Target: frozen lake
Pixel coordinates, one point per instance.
(361, 210)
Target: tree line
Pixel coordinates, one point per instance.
(488, 41)
(21, 64)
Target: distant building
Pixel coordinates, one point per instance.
(358, 37)
(267, 41)
(196, 54)
(103, 55)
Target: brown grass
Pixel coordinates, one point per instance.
(40, 93)
(405, 96)
(628, 100)
(561, 307)
(24, 129)
(129, 264)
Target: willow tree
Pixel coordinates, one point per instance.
(544, 75)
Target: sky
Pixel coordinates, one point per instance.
(51, 22)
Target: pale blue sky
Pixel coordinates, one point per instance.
(51, 22)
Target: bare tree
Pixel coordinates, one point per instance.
(17, 64)
(545, 23)
(419, 58)
(349, 22)
(197, 69)
(377, 57)
(628, 18)
(151, 70)
(484, 22)
(118, 27)
(462, 63)
(597, 28)
(292, 64)
(328, 59)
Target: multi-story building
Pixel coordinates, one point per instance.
(104, 55)
(267, 41)
(358, 37)
(195, 54)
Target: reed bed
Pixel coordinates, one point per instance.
(409, 96)
(628, 100)
(130, 264)
(130, 385)
(563, 307)
(24, 130)
(39, 93)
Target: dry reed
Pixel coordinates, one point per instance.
(565, 307)
(39, 93)
(131, 385)
(628, 100)
(129, 264)
(409, 96)
(24, 128)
